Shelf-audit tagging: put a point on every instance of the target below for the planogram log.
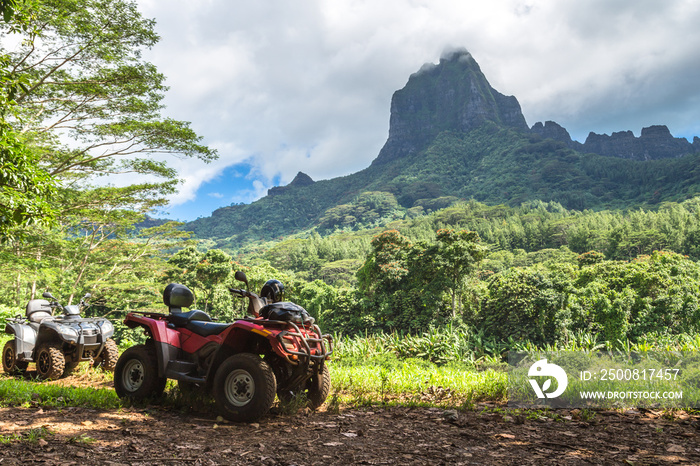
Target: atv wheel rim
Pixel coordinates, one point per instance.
(43, 365)
(239, 387)
(133, 375)
(9, 357)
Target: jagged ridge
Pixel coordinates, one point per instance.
(655, 142)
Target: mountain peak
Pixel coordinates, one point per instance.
(456, 53)
(453, 95)
(302, 179)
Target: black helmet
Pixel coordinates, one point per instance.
(177, 296)
(272, 290)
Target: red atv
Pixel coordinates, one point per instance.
(278, 350)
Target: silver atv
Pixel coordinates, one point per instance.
(58, 343)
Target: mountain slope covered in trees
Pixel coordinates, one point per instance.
(452, 136)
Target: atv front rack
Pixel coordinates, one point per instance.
(323, 345)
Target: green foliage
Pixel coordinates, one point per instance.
(590, 258)
(15, 392)
(7, 312)
(25, 188)
(653, 293)
(212, 269)
(526, 304)
(333, 259)
(368, 209)
(451, 260)
(7, 9)
(619, 301)
(408, 282)
(184, 266)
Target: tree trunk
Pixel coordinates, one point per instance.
(454, 304)
(18, 289)
(38, 259)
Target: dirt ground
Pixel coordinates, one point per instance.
(405, 436)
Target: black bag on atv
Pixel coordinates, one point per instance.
(287, 312)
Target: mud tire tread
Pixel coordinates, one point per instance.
(265, 388)
(14, 367)
(70, 367)
(107, 360)
(315, 390)
(318, 388)
(152, 385)
(50, 362)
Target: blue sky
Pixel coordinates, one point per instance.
(233, 185)
(278, 87)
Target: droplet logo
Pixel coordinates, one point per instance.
(542, 368)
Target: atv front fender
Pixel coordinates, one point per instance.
(56, 330)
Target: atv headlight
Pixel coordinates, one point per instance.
(67, 332)
(107, 328)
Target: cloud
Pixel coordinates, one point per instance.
(247, 196)
(306, 86)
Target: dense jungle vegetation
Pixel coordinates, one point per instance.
(537, 273)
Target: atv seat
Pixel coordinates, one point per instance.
(181, 319)
(206, 329)
(38, 310)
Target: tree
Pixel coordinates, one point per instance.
(85, 105)
(386, 264)
(182, 267)
(82, 78)
(213, 269)
(406, 283)
(527, 305)
(24, 186)
(453, 258)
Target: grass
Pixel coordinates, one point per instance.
(453, 368)
(414, 382)
(20, 392)
(82, 439)
(32, 436)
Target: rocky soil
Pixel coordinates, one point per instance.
(488, 434)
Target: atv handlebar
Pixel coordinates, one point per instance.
(55, 304)
(242, 293)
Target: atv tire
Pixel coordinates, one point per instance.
(107, 359)
(315, 390)
(70, 367)
(50, 362)
(136, 374)
(10, 364)
(244, 388)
